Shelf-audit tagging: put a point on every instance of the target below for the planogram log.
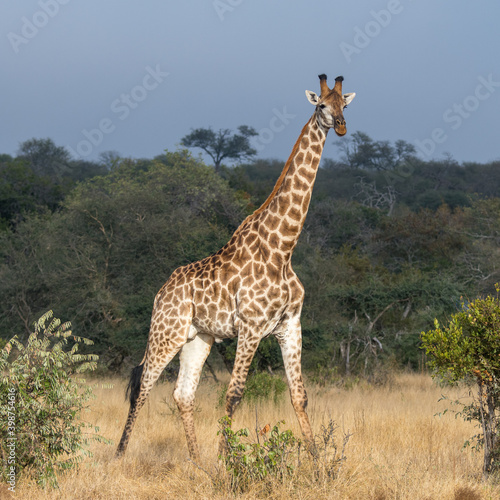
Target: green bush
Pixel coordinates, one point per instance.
(248, 463)
(263, 386)
(41, 401)
(278, 456)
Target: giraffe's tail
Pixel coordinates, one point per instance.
(134, 384)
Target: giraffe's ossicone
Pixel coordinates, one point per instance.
(247, 290)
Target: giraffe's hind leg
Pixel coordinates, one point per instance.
(141, 382)
(192, 358)
(290, 341)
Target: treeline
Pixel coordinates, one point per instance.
(390, 243)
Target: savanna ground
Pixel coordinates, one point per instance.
(400, 447)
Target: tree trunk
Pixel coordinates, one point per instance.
(489, 425)
(345, 352)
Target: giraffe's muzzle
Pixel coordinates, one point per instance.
(339, 127)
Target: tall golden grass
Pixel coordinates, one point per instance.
(399, 448)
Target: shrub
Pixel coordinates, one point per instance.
(263, 386)
(468, 348)
(248, 463)
(41, 401)
(330, 454)
(278, 457)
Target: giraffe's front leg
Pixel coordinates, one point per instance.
(247, 346)
(290, 341)
(192, 358)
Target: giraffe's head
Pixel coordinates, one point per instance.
(330, 104)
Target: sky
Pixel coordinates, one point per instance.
(135, 77)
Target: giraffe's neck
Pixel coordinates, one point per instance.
(282, 216)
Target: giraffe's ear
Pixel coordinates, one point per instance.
(348, 98)
(312, 97)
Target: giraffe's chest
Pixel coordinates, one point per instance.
(224, 314)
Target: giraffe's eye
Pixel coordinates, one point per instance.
(322, 106)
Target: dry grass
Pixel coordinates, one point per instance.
(399, 448)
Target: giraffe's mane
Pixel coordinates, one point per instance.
(281, 178)
(279, 182)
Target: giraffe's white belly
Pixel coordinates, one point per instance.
(231, 329)
(218, 330)
(217, 334)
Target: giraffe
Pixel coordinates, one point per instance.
(247, 289)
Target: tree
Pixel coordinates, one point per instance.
(256, 179)
(109, 159)
(23, 192)
(361, 151)
(222, 144)
(45, 158)
(425, 240)
(469, 348)
(482, 261)
(370, 196)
